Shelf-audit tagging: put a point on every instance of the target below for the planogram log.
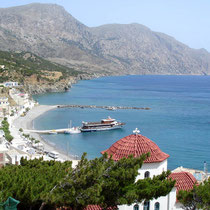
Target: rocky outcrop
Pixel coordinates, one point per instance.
(115, 49)
(60, 86)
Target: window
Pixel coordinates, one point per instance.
(136, 207)
(157, 206)
(146, 205)
(146, 174)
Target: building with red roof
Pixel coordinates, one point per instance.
(136, 145)
(184, 180)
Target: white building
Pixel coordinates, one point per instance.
(2, 66)
(4, 106)
(11, 84)
(21, 99)
(1, 135)
(137, 145)
(4, 103)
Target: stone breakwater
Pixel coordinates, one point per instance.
(112, 108)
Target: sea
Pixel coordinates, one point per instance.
(178, 120)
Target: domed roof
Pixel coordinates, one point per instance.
(184, 180)
(136, 144)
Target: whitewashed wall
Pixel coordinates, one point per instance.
(153, 168)
(166, 202)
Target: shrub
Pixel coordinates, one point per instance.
(8, 137)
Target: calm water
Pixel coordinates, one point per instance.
(178, 122)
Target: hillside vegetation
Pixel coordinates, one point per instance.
(23, 66)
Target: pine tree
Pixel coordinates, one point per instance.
(107, 183)
(101, 181)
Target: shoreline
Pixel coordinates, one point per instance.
(26, 123)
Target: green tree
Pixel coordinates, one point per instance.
(101, 181)
(31, 182)
(107, 183)
(5, 128)
(198, 197)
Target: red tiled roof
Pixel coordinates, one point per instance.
(184, 180)
(89, 207)
(97, 207)
(136, 144)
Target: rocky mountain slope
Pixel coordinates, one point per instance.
(49, 31)
(35, 73)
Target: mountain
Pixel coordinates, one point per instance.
(50, 32)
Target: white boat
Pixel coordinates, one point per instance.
(72, 130)
(53, 132)
(111, 108)
(103, 125)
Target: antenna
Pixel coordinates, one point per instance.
(136, 131)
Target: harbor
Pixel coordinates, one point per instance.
(173, 113)
(104, 125)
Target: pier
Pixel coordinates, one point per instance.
(52, 131)
(101, 107)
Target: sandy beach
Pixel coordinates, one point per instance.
(26, 123)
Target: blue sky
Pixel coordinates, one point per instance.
(186, 20)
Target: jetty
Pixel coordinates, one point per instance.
(101, 107)
(52, 131)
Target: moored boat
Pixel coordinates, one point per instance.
(73, 130)
(103, 125)
(111, 108)
(53, 132)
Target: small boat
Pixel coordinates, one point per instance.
(103, 125)
(53, 132)
(72, 130)
(111, 108)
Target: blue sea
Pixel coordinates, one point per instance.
(178, 121)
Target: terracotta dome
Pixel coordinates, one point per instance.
(184, 180)
(136, 145)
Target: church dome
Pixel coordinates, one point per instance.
(136, 145)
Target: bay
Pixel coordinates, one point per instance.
(178, 121)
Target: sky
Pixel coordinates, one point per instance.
(188, 21)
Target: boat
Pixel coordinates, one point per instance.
(72, 130)
(53, 132)
(111, 108)
(103, 125)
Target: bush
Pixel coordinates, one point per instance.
(5, 128)
(8, 137)
(37, 141)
